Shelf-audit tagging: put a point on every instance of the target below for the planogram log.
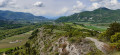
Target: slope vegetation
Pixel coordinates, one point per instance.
(101, 15)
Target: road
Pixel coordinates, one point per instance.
(100, 45)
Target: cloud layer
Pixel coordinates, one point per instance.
(79, 7)
(56, 7)
(4, 3)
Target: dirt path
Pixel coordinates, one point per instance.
(100, 45)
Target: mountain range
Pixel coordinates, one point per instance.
(100, 15)
(20, 16)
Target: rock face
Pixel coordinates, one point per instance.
(100, 45)
(3, 54)
(50, 44)
(82, 48)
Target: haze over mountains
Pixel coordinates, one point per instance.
(99, 15)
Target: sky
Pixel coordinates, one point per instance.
(56, 8)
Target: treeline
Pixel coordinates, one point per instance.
(27, 49)
(4, 24)
(8, 30)
(16, 31)
(11, 26)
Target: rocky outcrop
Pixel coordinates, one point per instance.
(50, 44)
(100, 45)
(82, 48)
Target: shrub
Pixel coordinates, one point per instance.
(110, 34)
(114, 27)
(75, 39)
(115, 38)
(115, 46)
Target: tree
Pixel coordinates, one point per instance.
(115, 38)
(113, 28)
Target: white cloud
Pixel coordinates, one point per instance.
(8, 3)
(38, 4)
(3, 3)
(56, 7)
(79, 7)
(111, 4)
(114, 1)
(93, 6)
(62, 11)
(95, 0)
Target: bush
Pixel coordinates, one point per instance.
(115, 46)
(114, 27)
(75, 39)
(110, 34)
(115, 38)
(103, 36)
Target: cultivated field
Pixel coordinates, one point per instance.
(6, 45)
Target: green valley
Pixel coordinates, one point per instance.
(59, 27)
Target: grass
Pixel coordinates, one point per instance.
(83, 22)
(88, 26)
(58, 31)
(5, 45)
(97, 28)
(5, 49)
(78, 26)
(116, 53)
(69, 23)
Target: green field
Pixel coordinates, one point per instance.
(88, 26)
(97, 28)
(6, 45)
(78, 26)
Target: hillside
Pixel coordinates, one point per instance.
(20, 16)
(69, 39)
(100, 15)
(58, 40)
(3, 21)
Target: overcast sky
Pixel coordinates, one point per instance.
(54, 8)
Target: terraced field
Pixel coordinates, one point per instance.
(18, 40)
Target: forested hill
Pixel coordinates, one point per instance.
(99, 15)
(20, 16)
(2, 18)
(2, 21)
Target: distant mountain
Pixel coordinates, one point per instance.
(99, 15)
(2, 18)
(3, 21)
(20, 16)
